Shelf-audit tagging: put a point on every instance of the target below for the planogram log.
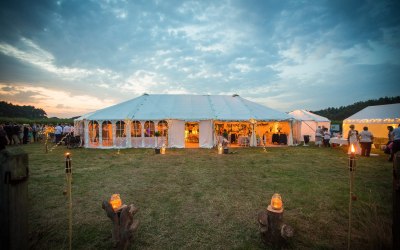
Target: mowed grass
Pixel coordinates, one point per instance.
(197, 199)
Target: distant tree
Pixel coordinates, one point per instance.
(30, 112)
(341, 113)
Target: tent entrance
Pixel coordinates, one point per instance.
(192, 134)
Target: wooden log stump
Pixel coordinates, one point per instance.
(124, 225)
(14, 202)
(272, 228)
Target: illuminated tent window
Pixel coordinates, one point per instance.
(163, 128)
(120, 129)
(149, 129)
(93, 132)
(136, 129)
(107, 133)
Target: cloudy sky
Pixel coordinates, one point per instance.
(72, 57)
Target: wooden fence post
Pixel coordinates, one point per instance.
(14, 172)
(396, 201)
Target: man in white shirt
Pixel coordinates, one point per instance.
(58, 132)
(366, 138)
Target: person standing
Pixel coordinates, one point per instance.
(352, 138)
(58, 133)
(396, 142)
(25, 131)
(3, 138)
(318, 136)
(366, 139)
(327, 137)
(35, 129)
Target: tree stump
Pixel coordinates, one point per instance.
(124, 225)
(272, 228)
(14, 202)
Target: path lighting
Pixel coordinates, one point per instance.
(68, 173)
(276, 202)
(352, 171)
(68, 163)
(220, 149)
(163, 148)
(115, 202)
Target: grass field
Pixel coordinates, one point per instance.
(196, 199)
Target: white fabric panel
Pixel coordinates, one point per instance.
(176, 134)
(253, 137)
(149, 142)
(308, 128)
(290, 139)
(206, 134)
(136, 142)
(121, 142)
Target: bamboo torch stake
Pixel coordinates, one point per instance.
(68, 172)
(45, 143)
(352, 170)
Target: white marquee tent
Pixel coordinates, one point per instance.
(376, 118)
(308, 123)
(175, 120)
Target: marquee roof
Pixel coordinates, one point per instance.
(378, 112)
(304, 115)
(188, 108)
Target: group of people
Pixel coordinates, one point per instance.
(322, 137)
(18, 134)
(393, 145)
(365, 139)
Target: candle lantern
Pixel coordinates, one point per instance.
(163, 148)
(220, 149)
(115, 202)
(276, 202)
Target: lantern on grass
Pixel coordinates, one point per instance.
(115, 202)
(163, 148)
(220, 149)
(276, 202)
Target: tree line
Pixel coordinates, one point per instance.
(341, 113)
(30, 112)
(26, 115)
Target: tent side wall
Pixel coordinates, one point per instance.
(378, 130)
(176, 134)
(206, 134)
(308, 128)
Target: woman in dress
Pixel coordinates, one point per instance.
(352, 138)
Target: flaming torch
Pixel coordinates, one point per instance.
(352, 171)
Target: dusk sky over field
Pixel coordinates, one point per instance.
(73, 57)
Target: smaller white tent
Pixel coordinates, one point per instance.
(376, 118)
(308, 123)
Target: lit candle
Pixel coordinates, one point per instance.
(220, 149)
(115, 202)
(276, 202)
